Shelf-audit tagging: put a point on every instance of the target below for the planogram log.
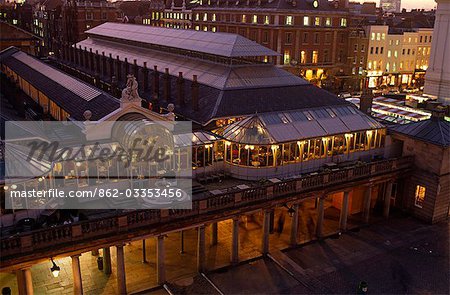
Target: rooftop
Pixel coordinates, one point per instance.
(221, 44)
(72, 95)
(225, 89)
(270, 128)
(304, 5)
(435, 131)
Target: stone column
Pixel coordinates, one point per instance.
(121, 278)
(24, 281)
(367, 200)
(145, 74)
(387, 199)
(104, 72)
(320, 216)
(265, 237)
(271, 221)
(214, 233)
(107, 260)
(201, 249)
(111, 65)
(144, 252)
(294, 226)
(344, 212)
(235, 241)
(118, 70)
(76, 273)
(28, 281)
(160, 257)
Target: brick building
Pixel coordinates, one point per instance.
(311, 36)
(65, 22)
(429, 182)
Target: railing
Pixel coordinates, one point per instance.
(233, 198)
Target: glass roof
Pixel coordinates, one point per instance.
(217, 75)
(270, 128)
(223, 44)
(81, 89)
(194, 139)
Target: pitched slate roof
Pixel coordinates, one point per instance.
(60, 90)
(434, 130)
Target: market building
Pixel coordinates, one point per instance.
(310, 36)
(264, 143)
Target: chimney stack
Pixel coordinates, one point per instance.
(194, 90)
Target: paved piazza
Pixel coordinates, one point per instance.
(399, 256)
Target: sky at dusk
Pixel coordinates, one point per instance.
(410, 4)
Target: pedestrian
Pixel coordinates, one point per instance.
(281, 223)
(362, 287)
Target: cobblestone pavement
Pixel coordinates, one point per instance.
(402, 256)
(333, 265)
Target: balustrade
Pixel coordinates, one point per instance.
(140, 218)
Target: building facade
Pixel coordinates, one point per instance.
(65, 22)
(267, 141)
(397, 60)
(438, 77)
(311, 37)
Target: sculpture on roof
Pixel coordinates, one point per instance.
(130, 92)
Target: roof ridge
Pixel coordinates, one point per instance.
(442, 133)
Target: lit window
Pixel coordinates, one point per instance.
(395, 53)
(317, 21)
(383, 36)
(387, 67)
(378, 36)
(369, 65)
(205, 28)
(343, 22)
(389, 53)
(244, 18)
(287, 57)
(213, 29)
(315, 56)
(214, 17)
(265, 58)
(306, 20)
(255, 19)
(197, 28)
(373, 36)
(397, 42)
(266, 20)
(303, 57)
(328, 22)
(205, 17)
(289, 21)
(197, 16)
(420, 196)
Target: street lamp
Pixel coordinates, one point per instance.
(55, 269)
(291, 210)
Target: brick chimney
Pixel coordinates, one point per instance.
(180, 89)
(194, 92)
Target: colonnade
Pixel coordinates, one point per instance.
(24, 278)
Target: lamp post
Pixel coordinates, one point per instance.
(55, 269)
